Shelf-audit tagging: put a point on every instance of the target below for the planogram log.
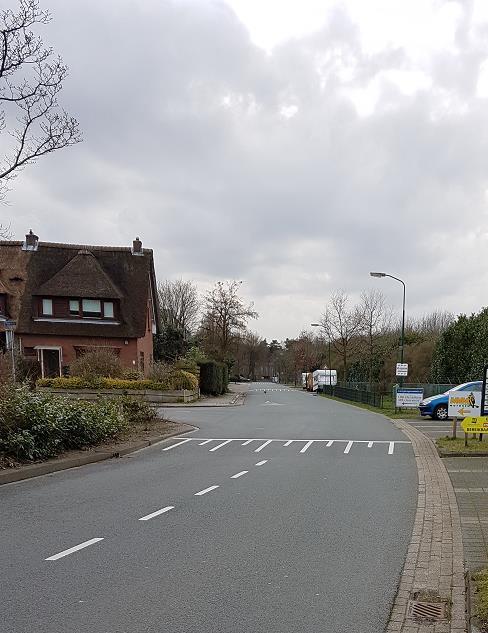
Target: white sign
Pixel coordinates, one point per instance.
(402, 369)
(463, 404)
(409, 398)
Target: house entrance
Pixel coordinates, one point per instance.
(50, 363)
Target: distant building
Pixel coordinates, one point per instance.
(68, 298)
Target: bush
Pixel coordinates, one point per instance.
(160, 372)
(177, 379)
(97, 362)
(39, 426)
(225, 378)
(213, 378)
(136, 411)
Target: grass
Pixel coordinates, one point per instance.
(388, 408)
(450, 445)
(481, 598)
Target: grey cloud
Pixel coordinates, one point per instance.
(186, 145)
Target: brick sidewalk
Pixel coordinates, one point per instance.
(434, 562)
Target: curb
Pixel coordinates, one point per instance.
(459, 454)
(435, 557)
(36, 470)
(234, 403)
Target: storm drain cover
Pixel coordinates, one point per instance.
(426, 611)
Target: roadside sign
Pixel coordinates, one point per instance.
(401, 369)
(9, 324)
(475, 424)
(463, 404)
(408, 398)
(484, 399)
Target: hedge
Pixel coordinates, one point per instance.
(214, 378)
(38, 426)
(177, 380)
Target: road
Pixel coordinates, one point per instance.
(290, 513)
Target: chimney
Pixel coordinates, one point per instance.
(137, 247)
(31, 242)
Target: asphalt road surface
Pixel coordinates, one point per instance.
(291, 513)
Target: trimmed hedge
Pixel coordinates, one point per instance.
(214, 378)
(177, 380)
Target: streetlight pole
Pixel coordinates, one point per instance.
(402, 342)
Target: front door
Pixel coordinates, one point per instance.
(50, 359)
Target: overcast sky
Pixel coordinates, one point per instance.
(292, 144)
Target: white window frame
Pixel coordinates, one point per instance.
(52, 306)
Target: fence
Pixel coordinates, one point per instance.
(355, 395)
(430, 389)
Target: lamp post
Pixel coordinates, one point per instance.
(328, 339)
(403, 314)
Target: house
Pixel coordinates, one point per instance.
(67, 299)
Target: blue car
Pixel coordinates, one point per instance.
(436, 406)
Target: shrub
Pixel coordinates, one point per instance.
(211, 378)
(97, 362)
(177, 379)
(39, 426)
(160, 372)
(225, 378)
(136, 411)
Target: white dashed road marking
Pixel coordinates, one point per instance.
(74, 549)
(157, 513)
(204, 492)
(303, 448)
(261, 462)
(216, 448)
(168, 448)
(237, 475)
(260, 448)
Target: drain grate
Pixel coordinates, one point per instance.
(426, 611)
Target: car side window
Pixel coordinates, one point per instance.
(472, 387)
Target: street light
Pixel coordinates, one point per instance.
(403, 313)
(320, 325)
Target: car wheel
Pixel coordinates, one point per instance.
(440, 412)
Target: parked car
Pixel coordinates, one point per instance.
(436, 406)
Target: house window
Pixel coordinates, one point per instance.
(108, 309)
(3, 307)
(47, 307)
(74, 307)
(92, 307)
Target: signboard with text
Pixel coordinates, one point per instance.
(401, 369)
(463, 404)
(408, 398)
(478, 424)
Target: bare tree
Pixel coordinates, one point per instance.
(376, 319)
(30, 80)
(179, 305)
(5, 232)
(226, 315)
(342, 325)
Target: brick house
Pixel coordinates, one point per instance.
(66, 299)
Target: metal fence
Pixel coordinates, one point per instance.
(430, 389)
(355, 395)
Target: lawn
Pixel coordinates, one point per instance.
(449, 445)
(481, 598)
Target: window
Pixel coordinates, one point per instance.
(47, 307)
(108, 309)
(92, 307)
(3, 307)
(74, 307)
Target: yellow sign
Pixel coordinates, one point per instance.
(478, 424)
